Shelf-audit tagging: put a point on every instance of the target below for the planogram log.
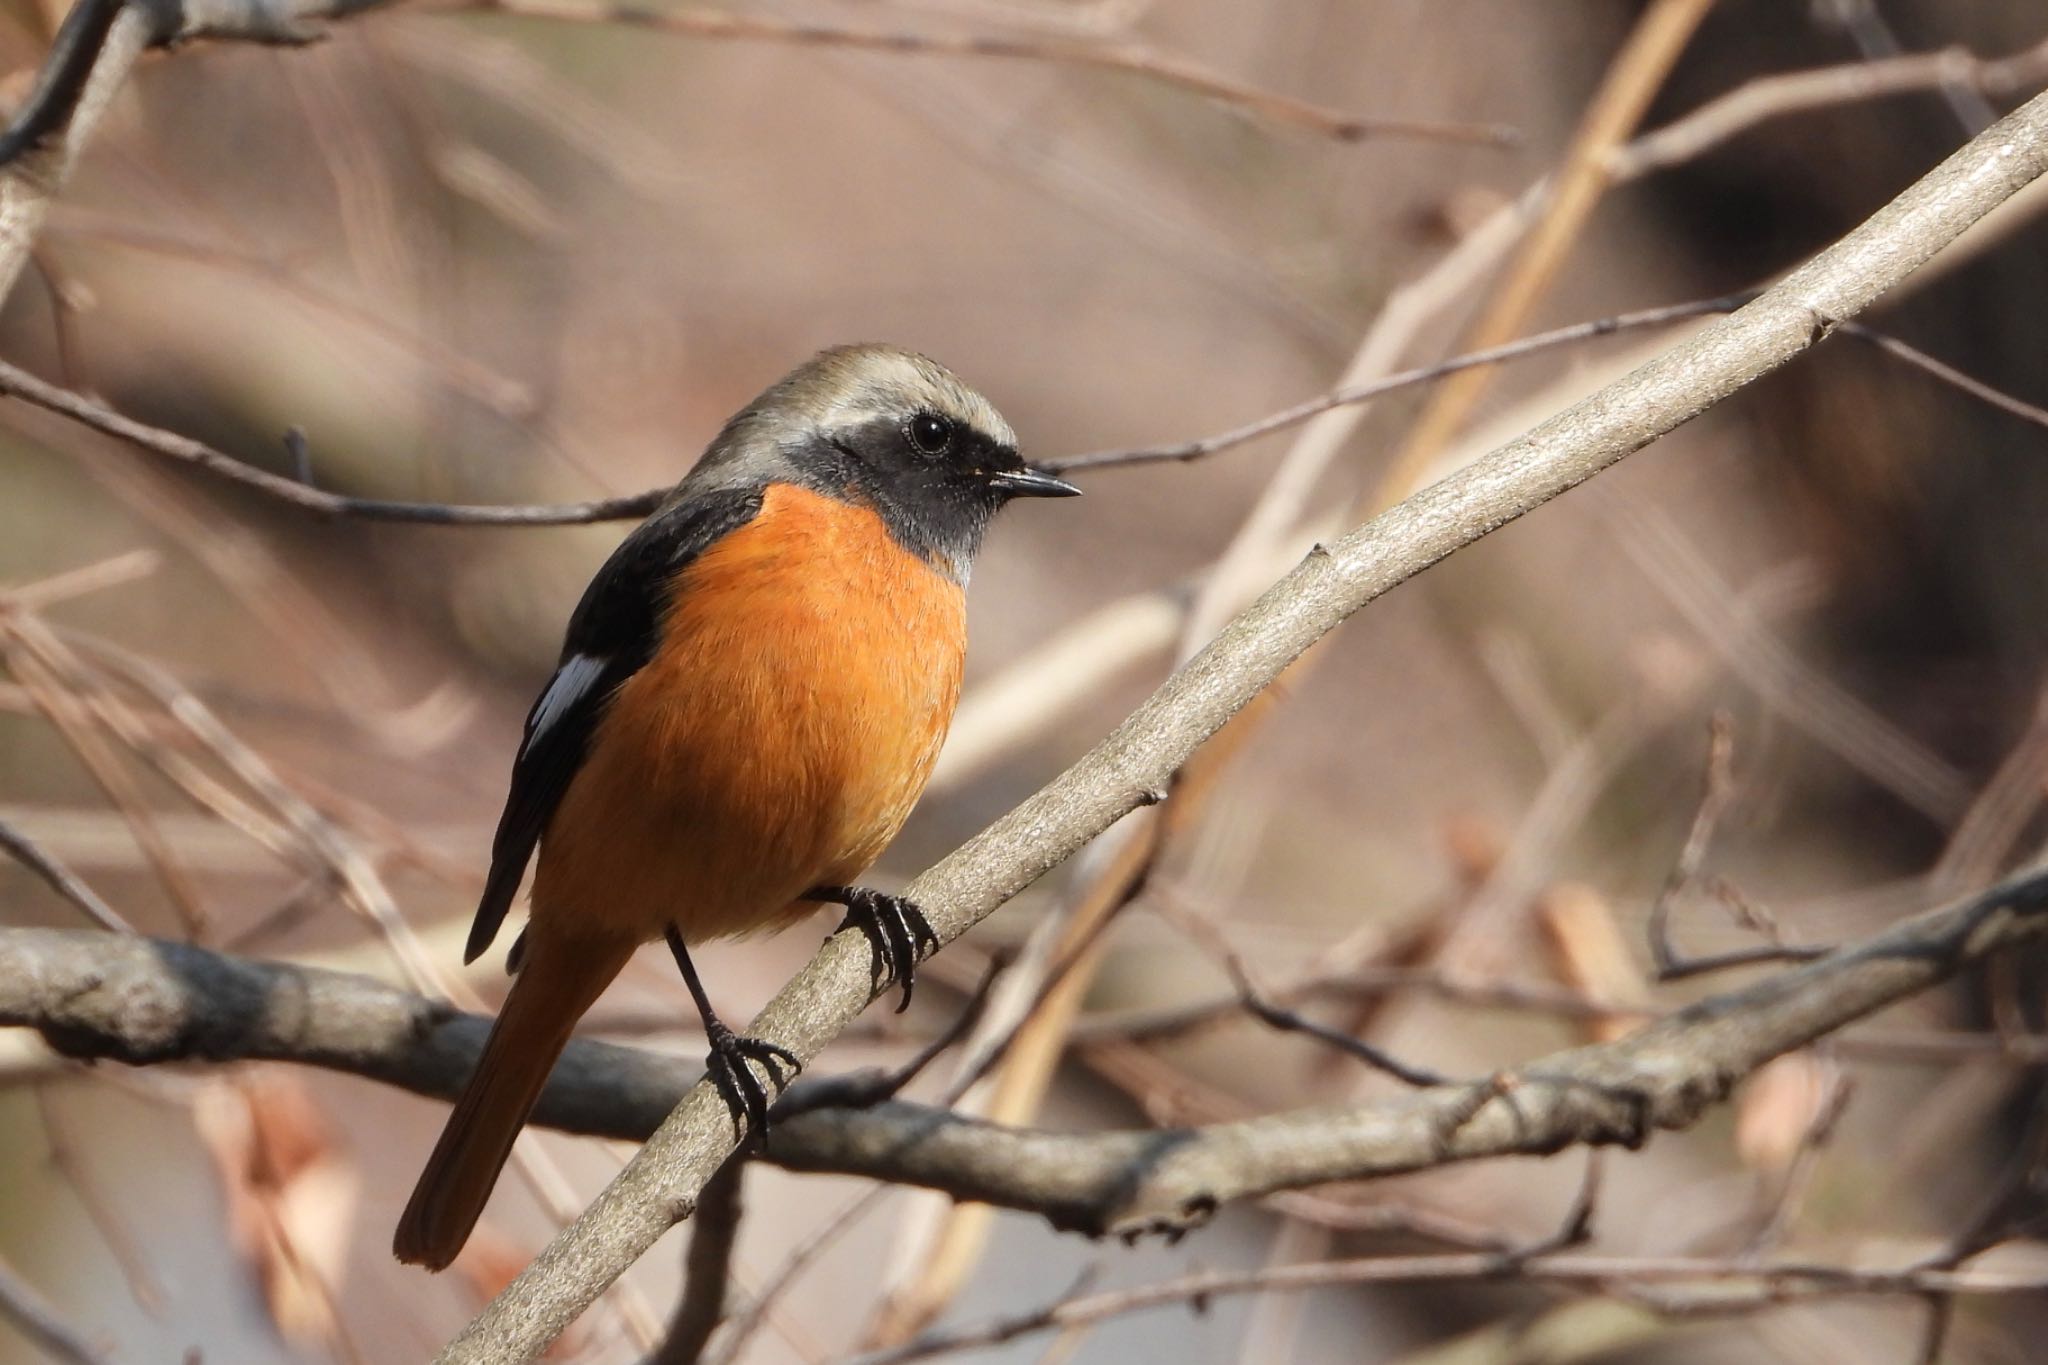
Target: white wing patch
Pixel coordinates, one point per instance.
(570, 685)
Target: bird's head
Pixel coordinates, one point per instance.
(892, 430)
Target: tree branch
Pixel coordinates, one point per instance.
(116, 997)
(19, 383)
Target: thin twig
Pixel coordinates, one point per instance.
(707, 1268)
(32, 1316)
(1948, 374)
(18, 383)
(1718, 789)
(30, 656)
(459, 371)
(102, 1211)
(1983, 839)
(1353, 394)
(61, 879)
(1992, 1221)
(45, 593)
(1288, 1021)
(1792, 92)
(1790, 1196)
(1137, 61)
(1878, 41)
(1727, 1286)
(1021, 1063)
(1738, 629)
(749, 1320)
(866, 1089)
(95, 54)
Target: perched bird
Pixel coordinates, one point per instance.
(750, 699)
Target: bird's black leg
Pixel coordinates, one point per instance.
(896, 930)
(730, 1053)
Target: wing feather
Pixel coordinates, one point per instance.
(611, 636)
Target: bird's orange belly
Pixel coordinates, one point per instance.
(807, 673)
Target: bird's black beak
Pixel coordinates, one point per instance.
(1031, 483)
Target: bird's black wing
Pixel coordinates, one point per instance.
(611, 636)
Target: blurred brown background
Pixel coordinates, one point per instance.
(480, 258)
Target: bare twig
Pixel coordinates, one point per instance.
(1352, 394)
(458, 371)
(1878, 41)
(1793, 92)
(1948, 374)
(27, 650)
(18, 383)
(29, 1314)
(866, 1089)
(1137, 61)
(1983, 839)
(1719, 789)
(44, 593)
(1741, 957)
(1989, 1225)
(1725, 1286)
(1768, 664)
(83, 43)
(1790, 1195)
(1992, 1221)
(61, 879)
(707, 1268)
(102, 1210)
(1290, 1021)
(748, 1321)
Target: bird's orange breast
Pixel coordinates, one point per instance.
(806, 674)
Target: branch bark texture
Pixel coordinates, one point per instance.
(662, 1182)
(101, 996)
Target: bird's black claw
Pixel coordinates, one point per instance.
(745, 1095)
(896, 930)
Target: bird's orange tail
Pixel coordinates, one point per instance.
(554, 987)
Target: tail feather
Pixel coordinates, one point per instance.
(548, 996)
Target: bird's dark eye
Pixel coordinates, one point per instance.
(931, 433)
